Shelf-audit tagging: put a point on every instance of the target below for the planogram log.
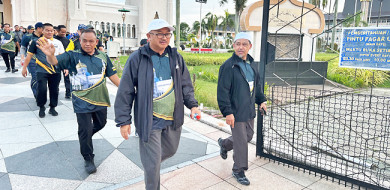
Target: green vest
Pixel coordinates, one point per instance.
(10, 45)
(98, 93)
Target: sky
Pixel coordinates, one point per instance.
(190, 9)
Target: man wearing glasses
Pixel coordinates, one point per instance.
(237, 92)
(157, 80)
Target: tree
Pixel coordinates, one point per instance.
(211, 24)
(239, 6)
(227, 21)
(178, 23)
(195, 27)
(184, 31)
(318, 3)
(354, 21)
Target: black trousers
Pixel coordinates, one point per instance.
(89, 124)
(16, 50)
(44, 80)
(67, 85)
(9, 56)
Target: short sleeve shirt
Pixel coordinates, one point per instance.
(84, 71)
(44, 66)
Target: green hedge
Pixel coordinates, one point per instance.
(195, 59)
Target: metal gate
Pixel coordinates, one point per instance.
(331, 130)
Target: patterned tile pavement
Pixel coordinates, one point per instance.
(43, 153)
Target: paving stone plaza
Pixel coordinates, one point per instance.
(43, 153)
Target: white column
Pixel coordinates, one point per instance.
(27, 13)
(15, 14)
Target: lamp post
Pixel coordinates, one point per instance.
(200, 21)
(123, 11)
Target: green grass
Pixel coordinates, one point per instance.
(206, 93)
(386, 84)
(119, 63)
(205, 72)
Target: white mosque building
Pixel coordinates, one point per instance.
(102, 14)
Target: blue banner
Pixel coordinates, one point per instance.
(365, 48)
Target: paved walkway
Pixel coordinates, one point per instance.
(43, 153)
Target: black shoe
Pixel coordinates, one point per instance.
(90, 166)
(53, 112)
(241, 178)
(67, 97)
(8, 70)
(222, 150)
(42, 112)
(14, 70)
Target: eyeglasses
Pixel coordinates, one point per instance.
(160, 35)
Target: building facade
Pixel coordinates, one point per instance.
(104, 16)
(378, 15)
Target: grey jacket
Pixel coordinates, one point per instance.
(18, 35)
(137, 86)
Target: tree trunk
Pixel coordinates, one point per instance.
(336, 3)
(237, 22)
(224, 37)
(177, 23)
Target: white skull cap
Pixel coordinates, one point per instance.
(243, 35)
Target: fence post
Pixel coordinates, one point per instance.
(261, 68)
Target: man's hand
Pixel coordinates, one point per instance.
(46, 47)
(24, 72)
(194, 111)
(230, 120)
(263, 106)
(66, 72)
(125, 131)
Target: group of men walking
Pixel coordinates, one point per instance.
(155, 84)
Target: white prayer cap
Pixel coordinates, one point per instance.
(243, 35)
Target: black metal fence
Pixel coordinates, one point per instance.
(339, 134)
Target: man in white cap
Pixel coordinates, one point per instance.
(238, 90)
(157, 81)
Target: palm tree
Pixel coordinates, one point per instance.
(195, 28)
(354, 21)
(318, 3)
(184, 31)
(239, 7)
(211, 24)
(227, 21)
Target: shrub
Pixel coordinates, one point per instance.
(346, 76)
(195, 59)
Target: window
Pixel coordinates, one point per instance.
(119, 29)
(133, 31)
(113, 30)
(103, 27)
(128, 31)
(97, 26)
(108, 29)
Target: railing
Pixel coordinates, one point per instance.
(343, 135)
